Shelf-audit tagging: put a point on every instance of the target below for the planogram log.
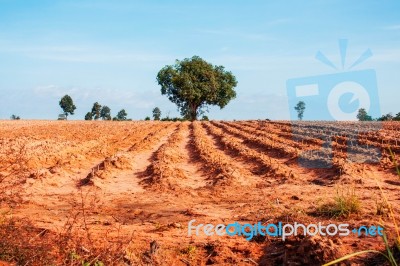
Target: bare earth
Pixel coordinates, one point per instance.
(135, 186)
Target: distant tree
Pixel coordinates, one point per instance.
(88, 116)
(156, 113)
(105, 113)
(387, 117)
(15, 117)
(122, 115)
(96, 109)
(363, 115)
(397, 117)
(300, 107)
(67, 105)
(147, 118)
(204, 118)
(193, 84)
(174, 119)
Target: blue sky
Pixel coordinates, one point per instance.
(111, 51)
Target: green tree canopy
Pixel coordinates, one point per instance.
(156, 113)
(363, 115)
(122, 115)
(205, 118)
(193, 84)
(387, 117)
(300, 107)
(88, 116)
(96, 109)
(397, 117)
(105, 113)
(15, 117)
(67, 105)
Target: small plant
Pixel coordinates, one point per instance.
(345, 203)
(158, 226)
(388, 255)
(189, 250)
(382, 208)
(76, 258)
(396, 165)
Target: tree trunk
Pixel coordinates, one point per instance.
(193, 112)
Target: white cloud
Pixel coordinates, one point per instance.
(53, 91)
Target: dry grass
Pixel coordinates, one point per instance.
(344, 203)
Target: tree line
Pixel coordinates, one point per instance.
(364, 116)
(192, 84)
(98, 111)
(104, 112)
(157, 117)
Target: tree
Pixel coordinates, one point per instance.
(300, 107)
(122, 115)
(204, 118)
(15, 117)
(156, 113)
(67, 105)
(193, 84)
(363, 115)
(387, 117)
(96, 110)
(397, 117)
(105, 113)
(88, 116)
(147, 118)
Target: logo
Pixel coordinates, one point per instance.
(336, 97)
(282, 230)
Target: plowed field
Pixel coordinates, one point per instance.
(76, 192)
